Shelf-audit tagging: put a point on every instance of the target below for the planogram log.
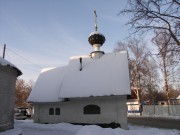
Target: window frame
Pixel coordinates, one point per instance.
(51, 111)
(58, 111)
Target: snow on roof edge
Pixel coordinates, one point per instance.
(47, 69)
(4, 62)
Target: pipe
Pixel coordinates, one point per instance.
(80, 60)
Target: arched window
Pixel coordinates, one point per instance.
(57, 111)
(92, 109)
(51, 111)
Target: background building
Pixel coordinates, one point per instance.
(8, 76)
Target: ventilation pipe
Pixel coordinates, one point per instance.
(80, 60)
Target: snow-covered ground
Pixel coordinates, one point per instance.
(27, 127)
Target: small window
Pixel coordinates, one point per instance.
(92, 109)
(51, 111)
(57, 111)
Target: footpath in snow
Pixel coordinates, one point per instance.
(27, 127)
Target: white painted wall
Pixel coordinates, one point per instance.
(113, 109)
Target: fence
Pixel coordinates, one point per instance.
(163, 110)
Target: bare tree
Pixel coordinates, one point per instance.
(168, 60)
(142, 71)
(153, 96)
(152, 15)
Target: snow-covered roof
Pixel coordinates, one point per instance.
(95, 32)
(4, 62)
(178, 97)
(106, 76)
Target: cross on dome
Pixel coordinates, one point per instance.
(96, 37)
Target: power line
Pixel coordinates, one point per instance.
(9, 58)
(24, 58)
(1, 50)
(25, 67)
(8, 55)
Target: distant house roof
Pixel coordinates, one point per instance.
(106, 76)
(178, 97)
(4, 62)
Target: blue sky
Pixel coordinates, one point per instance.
(45, 33)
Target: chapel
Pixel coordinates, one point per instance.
(90, 89)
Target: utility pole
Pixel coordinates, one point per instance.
(4, 51)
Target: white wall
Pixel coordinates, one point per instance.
(113, 109)
(163, 110)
